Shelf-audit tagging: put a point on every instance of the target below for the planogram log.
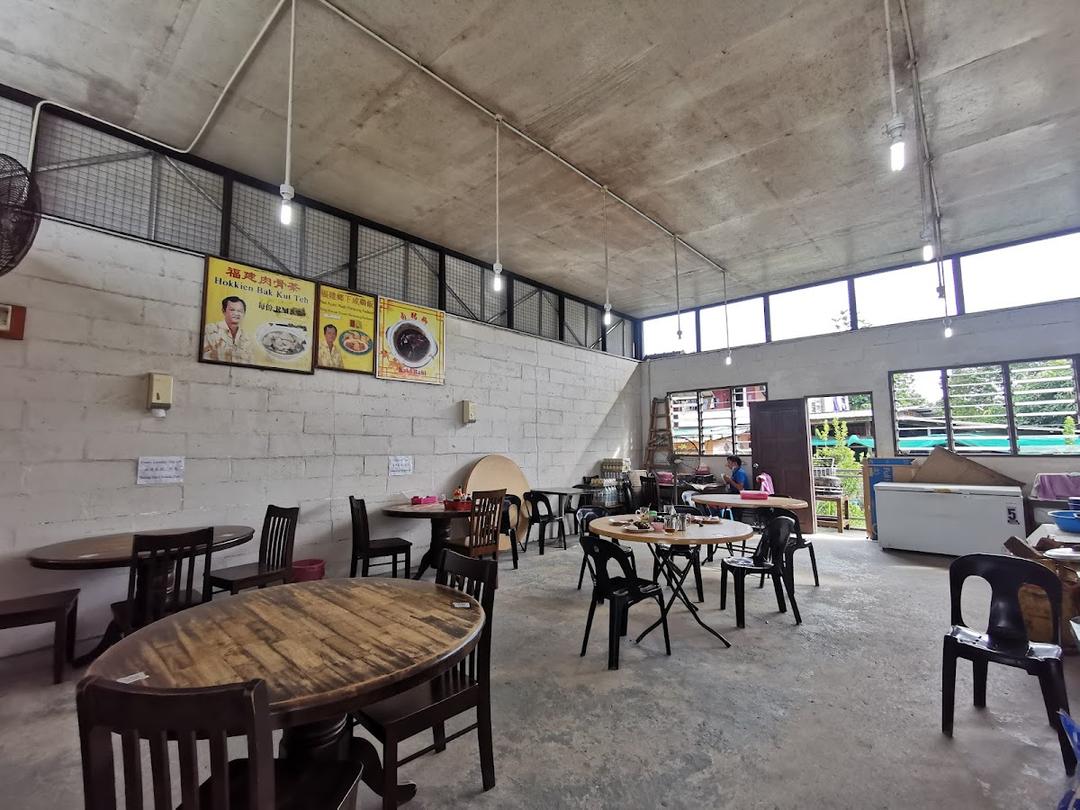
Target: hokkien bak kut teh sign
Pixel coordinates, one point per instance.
(257, 318)
(410, 343)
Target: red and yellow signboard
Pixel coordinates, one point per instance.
(346, 335)
(410, 343)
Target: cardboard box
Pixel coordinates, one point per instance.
(945, 467)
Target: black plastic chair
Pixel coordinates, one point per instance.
(586, 515)
(542, 515)
(799, 542)
(508, 526)
(650, 492)
(621, 592)
(691, 553)
(584, 498)
(1005, 640)
(626, 493)
(768, 559)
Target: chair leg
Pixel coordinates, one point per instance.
(655, 569)
(540, 537)
(389, 774)
(364, 567)
(979, 668)
(616, 608)
(60, 646)
(697, 576)
(663, 624)
(723, 586)
(483, 733)
(1056, 677)
(740, 604)
(778, 587)
(581, 573)
(408, 561)
(562, 534)
(438, 732)
(513, 548)
(393, 565)
(588, 625)
(624, 620)
(352, 566)
(72, 628)
(813, 565)
(948, 685)
(761, 582)
(789, 585)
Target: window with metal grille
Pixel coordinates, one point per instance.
(187, 204)
(494, 301)
(549, 315)
(464, 288)
(15, 121)
(1021, 408)
(714, 421)
(258, 237)
(325, 255)
(593, 321)
(575, 322)
(526, 307)
(620, 337)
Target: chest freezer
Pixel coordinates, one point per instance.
(947, 518)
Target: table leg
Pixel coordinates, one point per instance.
(675, 579)
(111, 636)
(440, 534)
(333, 740)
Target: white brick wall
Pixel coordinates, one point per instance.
(104, 311)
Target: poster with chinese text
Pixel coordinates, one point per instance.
(256, 318)
(410, 343)
(345, 338)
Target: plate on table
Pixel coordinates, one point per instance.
(618, 522)
(1070, 554)
(637, 530)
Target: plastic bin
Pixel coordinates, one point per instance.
(308, 570)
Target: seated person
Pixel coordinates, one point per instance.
(736, 479)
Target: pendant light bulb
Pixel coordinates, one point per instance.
(497, 280)
(895, 130)
(896, 156)
(607, 314)
(285, 213)
(927, 252)
(948, 328)
(727, 359)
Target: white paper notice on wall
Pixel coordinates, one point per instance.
(401, 465)
(160, 470)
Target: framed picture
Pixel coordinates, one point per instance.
(347, 327)
(257, 318)
(12, 321)
(410, 343)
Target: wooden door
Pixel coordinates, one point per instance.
(780, 441)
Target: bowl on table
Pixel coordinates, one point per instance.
(1068, 520)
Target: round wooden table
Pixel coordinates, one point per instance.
(440, 518)
(114, 550)
(323, 648)
(725, 501)
(696, 534)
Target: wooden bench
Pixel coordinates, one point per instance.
(60, 607)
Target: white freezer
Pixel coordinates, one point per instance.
(948, 518)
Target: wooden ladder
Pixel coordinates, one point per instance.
(659, 450)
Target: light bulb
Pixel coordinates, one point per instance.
(948, 330)
(607, 314)
(727, 359)
(285, 214)
(497, 282)
(927, 252)
(896, 156)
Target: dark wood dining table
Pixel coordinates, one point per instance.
(324, 649)
(114, 551)
(440, 518)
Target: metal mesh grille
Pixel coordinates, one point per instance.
(575, 322)
(620, 337)
(258, 237)
(186, 205)
(549, 315)
(379, 263)
(90, 177)
(526, 308)
(592, 327)
(326, 248)
(464, 293)
(421, 275)
(15, 129)
(494, 301)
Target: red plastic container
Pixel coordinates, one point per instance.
(458, 506)
(753, 495)
(308, 570)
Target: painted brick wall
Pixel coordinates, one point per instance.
(104, 311)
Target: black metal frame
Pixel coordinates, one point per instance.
(1014, 449)
(231, 176)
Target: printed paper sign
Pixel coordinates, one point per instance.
(160, 470)
(401, 465)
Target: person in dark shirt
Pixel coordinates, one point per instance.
(736, 479)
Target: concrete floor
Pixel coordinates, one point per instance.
(842, 711)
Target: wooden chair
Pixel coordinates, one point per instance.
(364, 549)
(185, 717)
(430, 705)
(60, 608)
(161, 577)
(484, 523)
(275, 555)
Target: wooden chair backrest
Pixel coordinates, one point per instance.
(486, 518)
(278, 537)
(162, 576)
(479, 579)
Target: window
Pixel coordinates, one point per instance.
(900, 296)
(713, 421)
(1025, 408)
(660, 335)
(747, 324)
(817, 310)
(1031, 273)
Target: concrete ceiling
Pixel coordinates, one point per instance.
(753, 129)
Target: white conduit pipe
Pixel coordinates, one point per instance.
(288, 108)
(198, 135)
(520, 133)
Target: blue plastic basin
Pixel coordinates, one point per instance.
(1068, 520)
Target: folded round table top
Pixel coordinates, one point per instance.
(696, 534)
(114, 550)
(323, 648)
(737, 502)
